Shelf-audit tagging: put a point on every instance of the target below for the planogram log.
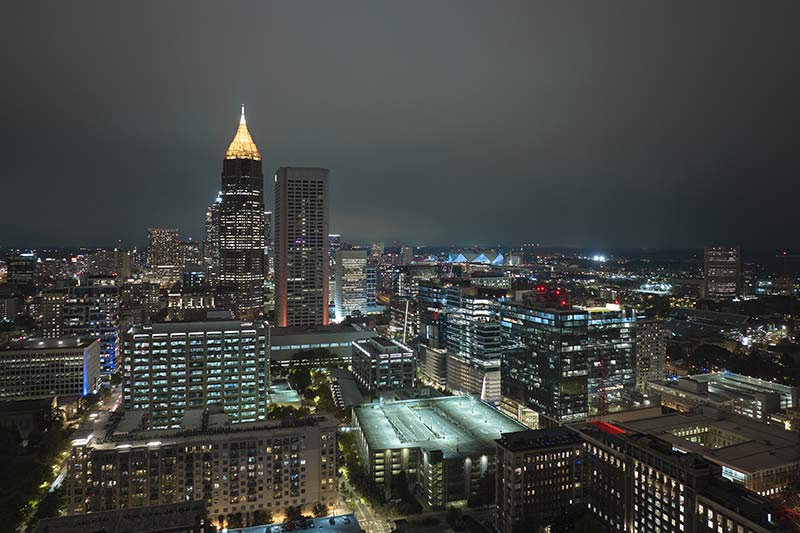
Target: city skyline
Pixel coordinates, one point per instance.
(519, 267)
(616, 133)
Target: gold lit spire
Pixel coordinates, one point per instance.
(242, 146)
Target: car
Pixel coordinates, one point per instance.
(347, 520)
(311, 523)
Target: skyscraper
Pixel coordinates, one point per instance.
(302, 267)
(567, 363)
(334, 245)
(162, 247)
(377, 249)
(21, 268)
(723, 269)
(211, 242)
(351, 282)
(92, 309)
(241, 224)
(651, 352)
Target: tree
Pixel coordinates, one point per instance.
(300, 378)
(262, 517)
(49, 507)
(10, 440)
(320, 510)
(453, 516)
(293, 513)
(235, 521)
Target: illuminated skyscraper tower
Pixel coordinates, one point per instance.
(302, 260)
(241, 224)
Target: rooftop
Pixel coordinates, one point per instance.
(537, 439)
(114, 430)
(173, 517)
(207, 326)
(759, 446)
(737, 498)
(310, 330)
(456, 425)
(50, 344)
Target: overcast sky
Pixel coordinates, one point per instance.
(602, 124)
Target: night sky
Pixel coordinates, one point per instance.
(604, 124)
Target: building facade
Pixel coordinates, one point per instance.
(722, 272)
(211, 241)
(380, 363)
(46, 368)
(351, 283)
(444, 446)
(236, 469)
(651, 352)
(163, 247)
(175, 366)
(92, 310)
(539, 476)
(241, 224)
(544, 362)
(302, 259)
(568, 363)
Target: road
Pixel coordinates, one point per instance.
(371, 521)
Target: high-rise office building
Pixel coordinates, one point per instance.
(723, 272)
(334, 245)
(53, 313)
(189, 253)
(538, 476)
(611, 360)
(269, 250)
(109, 263)
(380, 363)
(542, 362)
(376, 250)
(92, 309)
(46, 368)
(21, 268)
(406, 255)
(372, 281)
(163, 247)
(430, 313)
(472, 337)
(651, 352)
(568, 363)
(171, 367)
(211, 242)
(302, 261)
(628, 480)
(241, 224)
(351, 283)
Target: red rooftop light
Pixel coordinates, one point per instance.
(605, 427)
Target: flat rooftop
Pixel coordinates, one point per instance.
(761, 446)
(728, 385)
(113, 430)
(174, 517)
(49, 344)
(456, 425)
(539, 439)
(194, 326)
(311, 330)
